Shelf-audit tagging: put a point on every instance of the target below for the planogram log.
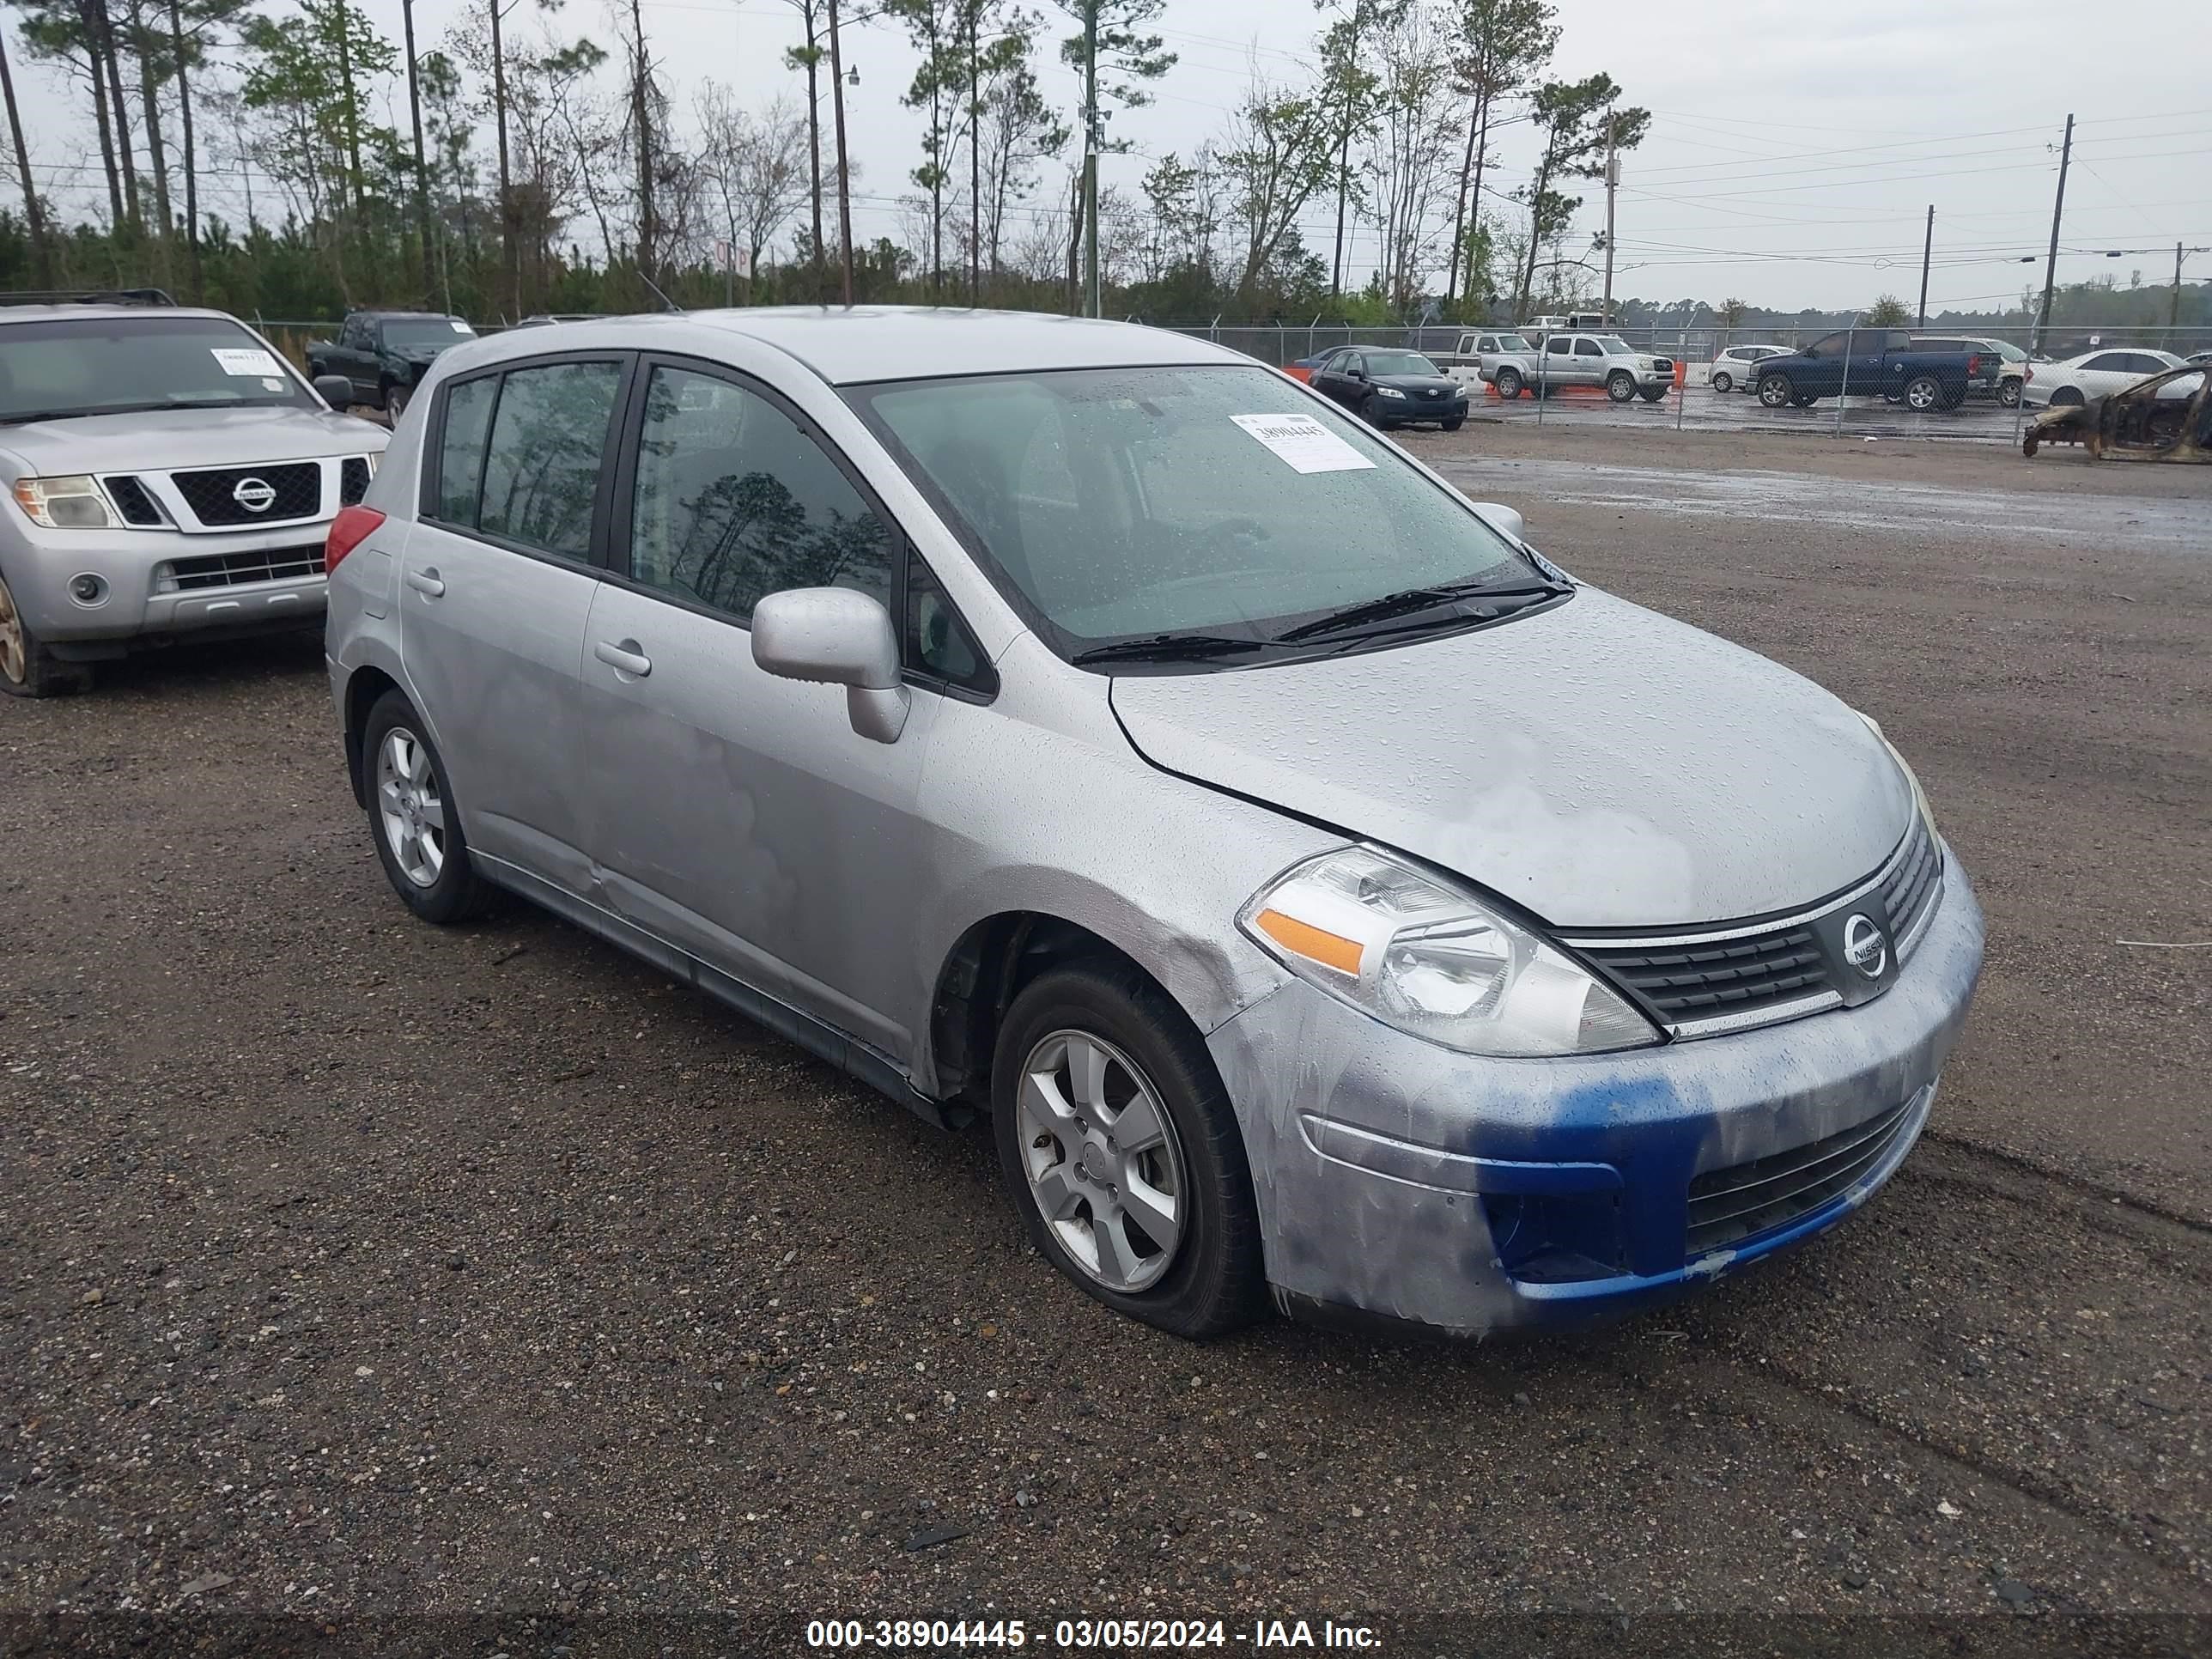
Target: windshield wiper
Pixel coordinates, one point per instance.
(1413, 599)
(30, 415)
(1161, 648)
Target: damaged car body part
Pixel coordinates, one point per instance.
(1325, 896)
(2167, 417)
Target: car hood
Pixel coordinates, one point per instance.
(1596, 763)
(1417, 386)
(158, 440)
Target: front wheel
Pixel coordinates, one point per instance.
(1454, 423)
(1620, 386)
(1652, 394)
(1122, 1153)
(412, 816)
(1775, 391)
(28, 667)
(1507, 384)
(1722, 383)
(1372, 412)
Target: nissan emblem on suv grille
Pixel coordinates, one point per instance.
(254, 494)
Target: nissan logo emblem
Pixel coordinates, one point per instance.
(254, 494)
(1865, 946)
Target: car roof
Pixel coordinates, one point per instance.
(848, 347)
(68, 313)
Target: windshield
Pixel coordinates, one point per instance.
(2011, 353)
(427, 331)
(1116, 504)
(1400, 362)
(1613, 346)
(94, 365)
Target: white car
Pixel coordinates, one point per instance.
(1476, 360)
(1733, 371)
(2079, 380)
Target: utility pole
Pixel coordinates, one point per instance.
(421, 162)
(844, 174)
(2051, 268)
(1927, 252)
(2172, 309)
(1090, 155)
(1612, 185)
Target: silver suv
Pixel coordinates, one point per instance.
(1084, 724)
(172, 476)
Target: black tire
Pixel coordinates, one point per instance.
(1620, 386)
(2067, 396)
(1775, 391)
(1454, 424)
(28, 667)
(1507, 383)
(458, 893)
(2029, 444)
(1924, 395)
(1215, 1281)
(1652, 394)
(1722, 383)
(2008, 394)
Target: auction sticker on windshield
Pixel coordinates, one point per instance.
(243, 360)
(1303, 443)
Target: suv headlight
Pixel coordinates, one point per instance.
(1428, 957)
(65, 503)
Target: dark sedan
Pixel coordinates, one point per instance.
(1387, 386)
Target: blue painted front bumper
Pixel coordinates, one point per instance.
(1401, 1182)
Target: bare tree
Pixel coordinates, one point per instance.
(754, 166)
(1275, 157)
(1407, 149)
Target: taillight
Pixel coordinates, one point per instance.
(348, 531)
(1974, 366)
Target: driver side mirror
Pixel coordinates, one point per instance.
(834, 636)
(1502, 518)
(1354, 371)
(335, 390)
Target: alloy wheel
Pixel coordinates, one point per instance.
(1102, 1160)
(410, 807)
(14, 655)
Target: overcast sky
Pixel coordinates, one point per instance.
(1793, 154)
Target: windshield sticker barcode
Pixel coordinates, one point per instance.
(243, 360)
(1303, 443)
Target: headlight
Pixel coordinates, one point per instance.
(1388, 392)
(66, 503)
(1430, 959)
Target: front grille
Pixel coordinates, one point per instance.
(1745, 1200)
(1910, 887)
(131, 500)
(353, 479)
(296, 493)
(1726, 976)
(267, 564)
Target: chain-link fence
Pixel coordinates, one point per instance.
(1861, 379)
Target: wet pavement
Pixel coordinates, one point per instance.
(1701, 409)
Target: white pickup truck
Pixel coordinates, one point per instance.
(1508, 361)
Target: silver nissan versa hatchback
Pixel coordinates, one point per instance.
(1326, 896)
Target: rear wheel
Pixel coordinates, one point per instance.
(1923, 394)
(412, 816)
(1507, 384)
(28, 667)
(1722, 383)
(1122, 1153)
(2067, 396)
(2008, 394)
(1620, 386)
(1775, 391)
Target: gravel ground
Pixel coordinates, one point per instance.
(359, 1273)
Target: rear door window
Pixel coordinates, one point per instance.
(549, 440)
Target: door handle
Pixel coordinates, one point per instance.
(426, 582)
(625, 657)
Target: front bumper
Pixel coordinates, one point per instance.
(1401, 1182)
(143, 594)
(1413, 410)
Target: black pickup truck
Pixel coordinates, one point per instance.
(385, 353)
(1877, 362)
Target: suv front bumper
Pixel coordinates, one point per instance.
(1401, 1182)
(161, 581)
